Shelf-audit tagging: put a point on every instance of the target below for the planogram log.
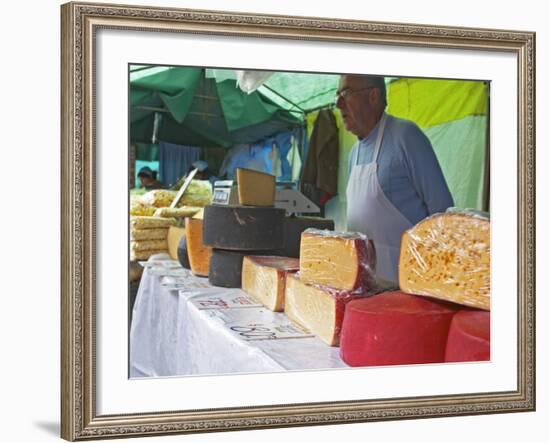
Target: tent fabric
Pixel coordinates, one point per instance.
(201, 110)
(432, 102)
(175, 161)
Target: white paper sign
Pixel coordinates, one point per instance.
(266, 331)
(224, 301)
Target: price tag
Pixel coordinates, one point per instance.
(266, 331)
(160, 263)
(223, 301)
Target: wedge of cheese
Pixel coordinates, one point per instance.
(199, 254)
(316, 308)
(447, 256)
(343, 261)
(469, 337)
(255, 188)
(173, 238)
(394, 328)
(264, 279)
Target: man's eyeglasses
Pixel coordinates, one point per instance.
(345, 93)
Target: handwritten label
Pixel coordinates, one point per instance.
(266, 331)
(224, 301)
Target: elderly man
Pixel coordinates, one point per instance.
(395, 179)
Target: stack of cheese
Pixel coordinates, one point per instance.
(148, 236)
(254, 227)
(441, 313)
(335, 268)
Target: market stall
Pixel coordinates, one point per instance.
(239, 277)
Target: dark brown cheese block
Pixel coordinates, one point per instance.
(294, 226)
(183, 258)
(243, 228)
(226, 267)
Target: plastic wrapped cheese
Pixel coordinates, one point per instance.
(198, 193)
(146, 222)
(139, 208)
(447, 256)
(148, 234)
(264, 278)
(319, 309)
(341, 260)
(147, 245)
(184, 211)
(394, 328)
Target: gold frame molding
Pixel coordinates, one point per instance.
(79, 22)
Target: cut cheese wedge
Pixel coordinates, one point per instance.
(447, 256)
(316, 308)
(343, 261)
(255, 188)
(199, 254)
(264, 279)
(394, 328)
(175, 233)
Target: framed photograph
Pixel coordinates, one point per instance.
(141, 84)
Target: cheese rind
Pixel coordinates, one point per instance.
(264, 279)
(394, 328)
(243, 228)
(343, 261)
(255, 188)
(469, 337)
(199, 254)
(316, 308)
(447, 256)
(183, 256)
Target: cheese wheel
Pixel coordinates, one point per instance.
(255, 188)
(343, 261)
(245, 228)
(394, 328)
(199, 254)
(469, 337)
(293, 228)
(264, 279)
(316, 308)
(183, 256)
(447, 256)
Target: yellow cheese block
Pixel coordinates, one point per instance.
(264, 279)
(175, 234)
(447, 256)
(316, 308)
(255, 188)
(339, 260)
(199, 254)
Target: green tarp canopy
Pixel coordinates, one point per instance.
(205, 107)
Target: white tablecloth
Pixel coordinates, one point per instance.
(171, 336)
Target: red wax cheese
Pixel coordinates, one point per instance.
(317, 308)
(343, 261)
(469, 337)
(395, 328)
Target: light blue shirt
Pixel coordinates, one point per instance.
(408, 170)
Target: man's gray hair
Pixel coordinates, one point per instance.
(377, 82)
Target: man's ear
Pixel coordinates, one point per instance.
(374, 96)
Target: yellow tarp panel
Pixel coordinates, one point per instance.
(414, 100)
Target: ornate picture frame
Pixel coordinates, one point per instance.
(80, 23)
